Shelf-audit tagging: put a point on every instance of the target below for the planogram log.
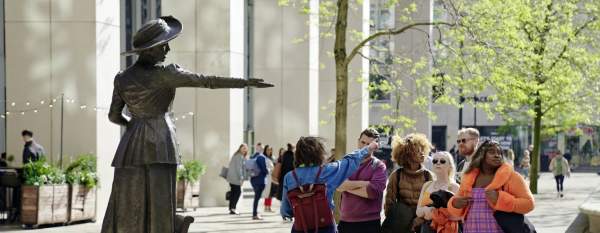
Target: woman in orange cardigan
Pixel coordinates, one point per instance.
(489, 184)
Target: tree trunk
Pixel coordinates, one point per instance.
(537, 144)
(341, 76)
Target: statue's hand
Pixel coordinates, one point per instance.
(255, 82)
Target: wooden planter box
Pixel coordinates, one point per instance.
(188, 195)
(82, 203)
(46, 204)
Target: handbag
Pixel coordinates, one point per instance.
(276, 173)
(228, 195)
(224, 171)
(400, 216)
(513, 222)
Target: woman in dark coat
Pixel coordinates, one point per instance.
(142, 199)
(287, 165)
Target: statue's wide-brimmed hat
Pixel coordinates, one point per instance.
(154, 33)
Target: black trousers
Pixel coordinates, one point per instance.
(236, 192)
(373, 226)
(559, 182)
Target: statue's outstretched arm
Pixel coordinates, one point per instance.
(175, 76)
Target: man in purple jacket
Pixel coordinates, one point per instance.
(362, 193)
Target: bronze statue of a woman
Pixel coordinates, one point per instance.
(142, 199)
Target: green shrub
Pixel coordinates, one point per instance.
(41, 173)
(191, 171)
(83, 171)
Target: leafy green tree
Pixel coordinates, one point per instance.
(537, 59)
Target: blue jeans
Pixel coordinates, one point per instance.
(258, 189)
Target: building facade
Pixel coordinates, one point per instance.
(61, 57)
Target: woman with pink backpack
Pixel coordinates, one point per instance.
(308, 189)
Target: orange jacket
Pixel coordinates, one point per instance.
(442, 223)
(513, 193)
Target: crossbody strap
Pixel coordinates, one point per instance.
(398, 184)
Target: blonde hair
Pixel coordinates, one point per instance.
(404, 148)
(470, 131)
(510, 154)
(450, 160)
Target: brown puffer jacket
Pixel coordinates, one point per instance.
(411, 183)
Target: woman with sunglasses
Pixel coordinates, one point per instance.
(489, 185)
(444, 170)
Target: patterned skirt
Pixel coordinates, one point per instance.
(480, 218)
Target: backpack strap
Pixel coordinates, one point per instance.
(297, 181)
(318, 174)
(427, 176)
(398, 183)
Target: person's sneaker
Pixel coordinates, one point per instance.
(182, 223)
(233, 212)
(258, 217)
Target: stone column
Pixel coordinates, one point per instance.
(413, 44)
(212, 42)
(71, 48)
(285, 53)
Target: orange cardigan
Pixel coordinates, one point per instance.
(513, 193)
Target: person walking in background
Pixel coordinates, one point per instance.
(309, 160)
(258, 149)
(489, 185)
(287, 164)
(467, 141)
(259, 180)
(362, 193)
(559, 166)
(510, 157)
(271, 187)
(236, 175)
(444, 170)
(405, 184)
(525, 164)
(280, 154)
(32, 151)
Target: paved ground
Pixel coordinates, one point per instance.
(552, 215)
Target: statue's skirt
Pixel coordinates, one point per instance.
(142, 200)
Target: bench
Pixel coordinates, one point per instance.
(591, 208)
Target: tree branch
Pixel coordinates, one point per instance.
(388, 32)
(566, 46)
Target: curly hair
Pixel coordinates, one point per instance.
(309, 151)
(479, 155)
(404, 150)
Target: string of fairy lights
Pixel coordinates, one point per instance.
(29, 107)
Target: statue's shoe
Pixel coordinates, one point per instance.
(182, 223)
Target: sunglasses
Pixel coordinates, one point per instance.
(464, 140)
(441, 161)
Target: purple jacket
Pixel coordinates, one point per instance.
(359, 209)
